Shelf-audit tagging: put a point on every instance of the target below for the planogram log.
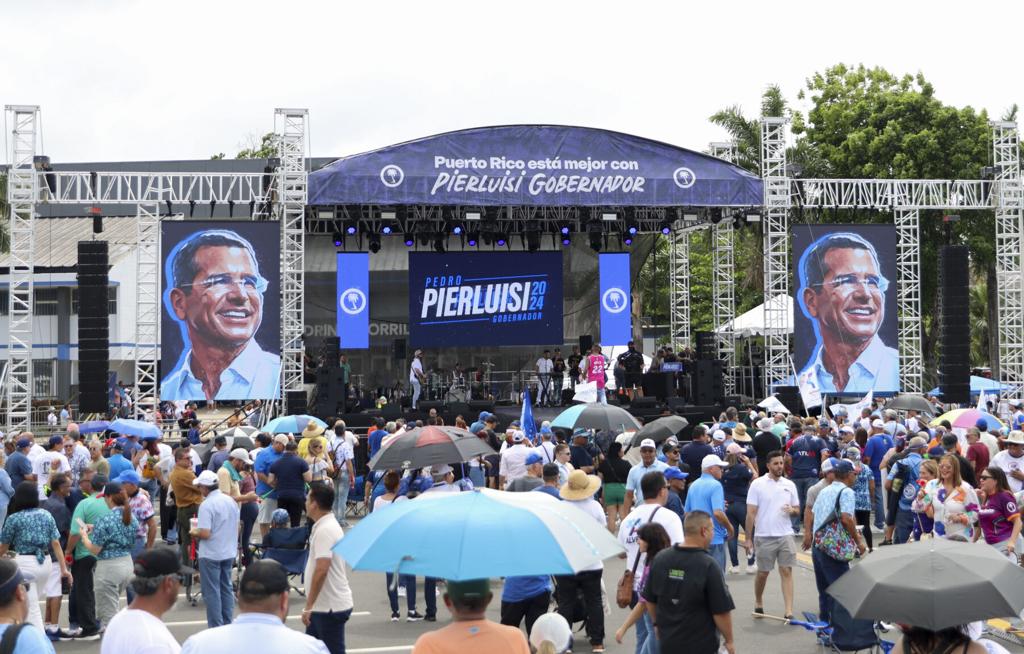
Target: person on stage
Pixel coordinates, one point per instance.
(595, 371)
(544, 367)
(558, 376)
(574, 366)
(416, 376)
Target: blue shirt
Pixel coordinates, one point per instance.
(674, 504)
(288, 471)
(550, 490)
(30, 641)
(636, 473)
(693, 454)
(118, 464)
(827, 501)
(517, 589)
(116, 538)
(877, 368)
(806, 454)
(253, 374)
(908, 469)
(266, 458)
(736, 482)
(375, 439)
(253, 632)
(220, 514)
(706, 494)
(874, 450)
(30, 531)
(217, 459)
(17, 467)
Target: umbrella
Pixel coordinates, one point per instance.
(93, 426)
(933, 584)
(291, 424)
(660, 429)
(966, 418)
(772, 404)
(453, 536)
(244, 431)
(205, 450)
(427, 446)
(911, 402)
(596, 416)
(138, 428)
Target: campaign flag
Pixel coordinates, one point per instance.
(526, 417)
(615, 301)
(853, 410)
(353, 300)
(982, 401)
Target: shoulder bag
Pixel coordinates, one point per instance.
(624, 590)
(832, 538)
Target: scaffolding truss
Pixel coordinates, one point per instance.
(723, 281)
(908, 299)
(1009, 242)
(776, 250)
(21, 198)
(679, 286)
(147, 306)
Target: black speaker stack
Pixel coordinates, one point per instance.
(707, 345)
(295, 403)
(93, 326)
(708, 381)
(329, 397)
(399, 347)
(586, 344)
(791, 399)
(954, 324)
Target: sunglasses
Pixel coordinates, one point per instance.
(985, 477)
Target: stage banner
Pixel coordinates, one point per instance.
(354, 300)
(845, 332)
(221, 319)
(534, 165)
(616, 314)
(485, 298)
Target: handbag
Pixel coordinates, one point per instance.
(832, 538)
(624, 589)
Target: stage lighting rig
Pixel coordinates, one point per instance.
(531, 235)
(595, 233)
(472, 238)
(374, 243)
(439, 242)
(409, 240)
(666, 227)
(339, 239)
(715, 215)
(352, 228)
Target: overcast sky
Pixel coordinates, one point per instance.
(185, 79)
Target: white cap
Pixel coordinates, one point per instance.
(518, 436)
(440, 469)
(719, 435)
(877, 423)
(826, 465)
(281, 438)
(648, 442)
(712, 460)
(205, 478)
(240, 454)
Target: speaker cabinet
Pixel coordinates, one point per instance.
(954, 324)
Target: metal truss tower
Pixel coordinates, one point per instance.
(290, 126)
(723, 280)
(21, 197)
(1009, 244)
(776, 250)
(679, 286)
(908, 299)
(147, 306)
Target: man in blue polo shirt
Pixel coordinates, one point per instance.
(877, 445)
(376, 436)
(266, 458)
(118, 462)
(804, 457)
(676, 479)
(648, 463)
(706, 494)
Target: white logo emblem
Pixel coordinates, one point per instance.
(352, 301)
(684, 177)
(392, 176)
(614, 300)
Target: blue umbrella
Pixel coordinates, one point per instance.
(596, 416)
(292, 424)
(454, 535)
(134, 428)
(93, 426)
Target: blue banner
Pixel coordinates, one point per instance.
(354, 300)
(485, 298)
(534, 165)
(616, 304)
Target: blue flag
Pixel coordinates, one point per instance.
(526, 417)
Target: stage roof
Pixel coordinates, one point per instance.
(534, 165)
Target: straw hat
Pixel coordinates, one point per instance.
(312, 430)
(1016, 437)
(739, 434)
(580, 486)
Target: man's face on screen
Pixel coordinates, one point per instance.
(224, 304)
(850, 302)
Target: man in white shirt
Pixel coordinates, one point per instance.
(49, 462)
(344, 455)
(416, 376)
(579, 491)
(513, 460)
(259, 627)
(51, 419)
(328, 596)
(139, 628)
(1011, 460)
(546, 448)
(772, 502)
(544, 367)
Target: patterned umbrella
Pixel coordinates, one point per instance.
(427, 446)
(965, 418)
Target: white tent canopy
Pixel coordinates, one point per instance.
(752, 323)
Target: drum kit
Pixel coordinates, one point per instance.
(458, 385)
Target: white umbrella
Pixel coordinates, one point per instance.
(773, 405)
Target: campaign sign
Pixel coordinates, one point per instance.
(616, 326)
(353, 300)
(485, 298)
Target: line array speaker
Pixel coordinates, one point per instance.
(954, 324)
(93, 326)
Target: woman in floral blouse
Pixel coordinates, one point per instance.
(111, 541)
(951, 501)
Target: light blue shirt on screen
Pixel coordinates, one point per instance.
(253, 375)
(877, 368)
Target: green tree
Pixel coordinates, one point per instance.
(264, 148)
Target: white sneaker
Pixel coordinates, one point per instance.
(751, 569)
(734, 570)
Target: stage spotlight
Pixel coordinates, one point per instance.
(666, 227)
(339, 239)
(501, 240)
(374, 240)
(439, 241)
(566, 240)
(737, 219)
(564, 230)
(409, 240)
(351, 228)
(386, 229)
(716, 216)
(627, 240)
(472, 238)
(457, 230)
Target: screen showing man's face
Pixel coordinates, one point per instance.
(847, 303)
(223, 306)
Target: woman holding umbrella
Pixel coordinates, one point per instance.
(999, 514)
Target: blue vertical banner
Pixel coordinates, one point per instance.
(354, 300)
(616, 310)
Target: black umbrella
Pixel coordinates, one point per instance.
(427, 446)
(599, 417)
(660, 429)
(932, 584)
(911, 402)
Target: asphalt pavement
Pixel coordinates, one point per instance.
(370, 629)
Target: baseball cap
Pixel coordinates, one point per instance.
(128, 477)
(518, 436)
(205, 478)
(240, 454)
(852, 453)
(8, 586)
(515, 423)
(580, 431)
(533, 458)
(469, 589)
(675, 473)
(24, 442)
(877, 423)
(712, 460)
(648, 443)
(263, 577)
(981, 424)
(440, 469)
(490, 417)
(917, 443)
(55, 440)
(735, 448)
(279, 517)
(842, 467)
(719, 435)
(484, 415)
(829, 464)
(158, 561)
(545, 429)
(281, 438)
(476, 426)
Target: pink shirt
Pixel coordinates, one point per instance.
(595, 369)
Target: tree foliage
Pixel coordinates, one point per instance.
(264, 148)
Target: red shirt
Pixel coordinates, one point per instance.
(978, 454)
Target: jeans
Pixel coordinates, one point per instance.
(589, 582)
(416, 388)
(111, 579)
(215, 580)
(248, 512)
(737, 514)
(531, 608)
(83, 597)
(802, 484)
(36, 574)
(183, 519)
(341, 488)
(545, 388)
(717, 552)
(879, 505)
(601, 396)
(643, 627)
(650, 644)
(429, 594)
(904, 525)
(294, 506)
(476, 475)
(826, 571)
(409, 582)
(140, 545)
(329, 627)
